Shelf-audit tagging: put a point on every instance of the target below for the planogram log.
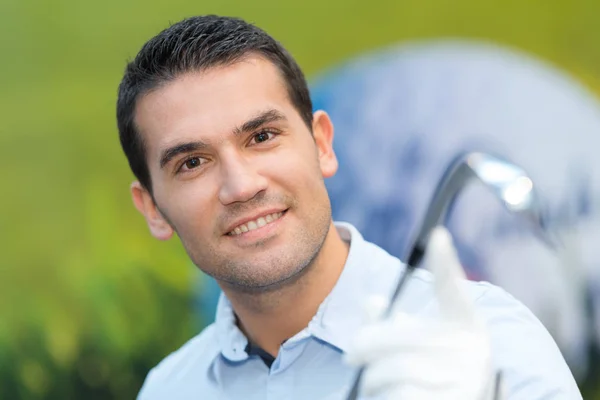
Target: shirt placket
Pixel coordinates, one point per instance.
(281, 374)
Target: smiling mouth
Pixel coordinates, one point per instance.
(257, 223)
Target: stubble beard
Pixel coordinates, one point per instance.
(263, 276)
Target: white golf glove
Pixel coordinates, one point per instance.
(411, 357)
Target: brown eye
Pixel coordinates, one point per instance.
(262, 137)
(192, 163)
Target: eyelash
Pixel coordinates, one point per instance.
(180, 167)
(267, 131)
(271, 132)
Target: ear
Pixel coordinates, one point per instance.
(143, 201)
(323, 134)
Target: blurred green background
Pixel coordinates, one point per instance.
(89, 302)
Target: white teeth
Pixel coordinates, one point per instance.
(259, 222)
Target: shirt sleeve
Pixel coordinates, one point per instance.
(532, 365)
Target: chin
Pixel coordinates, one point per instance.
(261, 278)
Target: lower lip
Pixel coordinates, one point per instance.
(260, 233)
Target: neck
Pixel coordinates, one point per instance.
(270, 318)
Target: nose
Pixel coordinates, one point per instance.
(240, 180)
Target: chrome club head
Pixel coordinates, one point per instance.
(508, 182)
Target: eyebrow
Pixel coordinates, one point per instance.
(252, 124)
(259, 120)
(176, 150)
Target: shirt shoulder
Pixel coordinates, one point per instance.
(185, 371)
(531, 363)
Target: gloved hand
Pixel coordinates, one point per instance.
(411, 357)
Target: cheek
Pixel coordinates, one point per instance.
(299, 171)
(187, 205)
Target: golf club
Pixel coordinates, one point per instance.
(508, 182)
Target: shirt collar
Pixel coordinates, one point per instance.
(231, 339)
(369, 270)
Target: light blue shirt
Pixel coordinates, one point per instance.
(215, 365)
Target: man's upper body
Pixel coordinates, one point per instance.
(217, 124)
(216, 364)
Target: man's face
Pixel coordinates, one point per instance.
(236, 173)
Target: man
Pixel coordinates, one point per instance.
(216, 121)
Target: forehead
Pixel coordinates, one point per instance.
(206, 105)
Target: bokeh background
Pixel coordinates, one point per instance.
(89, 302)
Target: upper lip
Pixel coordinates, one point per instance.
(242, 221)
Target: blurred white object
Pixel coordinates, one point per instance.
(417, 358)
(408, 110)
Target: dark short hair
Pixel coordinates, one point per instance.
(195, 44)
